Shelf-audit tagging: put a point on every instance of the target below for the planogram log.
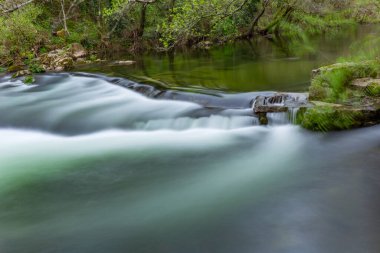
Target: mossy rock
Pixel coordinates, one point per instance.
(358, 69)
(331, 82)
(330, 117)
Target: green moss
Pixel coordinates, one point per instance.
(331, 117)
(330, 83)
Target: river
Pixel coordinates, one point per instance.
(95, 163)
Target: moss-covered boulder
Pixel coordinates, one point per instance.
(330, 83)
(345, 96)
(328, 116)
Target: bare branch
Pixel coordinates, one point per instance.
(16, 7)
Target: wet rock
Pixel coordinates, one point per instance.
(279, 102)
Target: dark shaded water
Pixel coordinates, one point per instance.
(87, 165)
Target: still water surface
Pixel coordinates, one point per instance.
(259, 65)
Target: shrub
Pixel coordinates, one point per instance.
(19, 32)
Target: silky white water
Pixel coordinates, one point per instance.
(88, 166)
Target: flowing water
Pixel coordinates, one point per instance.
(92, 163)
(88, 165)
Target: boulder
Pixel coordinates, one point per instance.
(57, 60)
(279, 102)
(329, 116)
(344, 96)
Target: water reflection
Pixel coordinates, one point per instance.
(244, 66)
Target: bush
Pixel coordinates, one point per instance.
(19, 32)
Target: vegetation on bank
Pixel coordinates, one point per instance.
(31, 28)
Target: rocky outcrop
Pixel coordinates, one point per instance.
(279, 103)
(57, 60)
(344, 96)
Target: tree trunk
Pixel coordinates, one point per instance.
(64, 17)
(257, 18)
(140, 31)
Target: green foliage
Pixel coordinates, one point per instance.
(29, 79)
(225, 29)
(36, 68)
(368, 48)
(85, 33)
(171, 23)
(197, 19)
(19, 32)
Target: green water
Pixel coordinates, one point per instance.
(259, 65)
